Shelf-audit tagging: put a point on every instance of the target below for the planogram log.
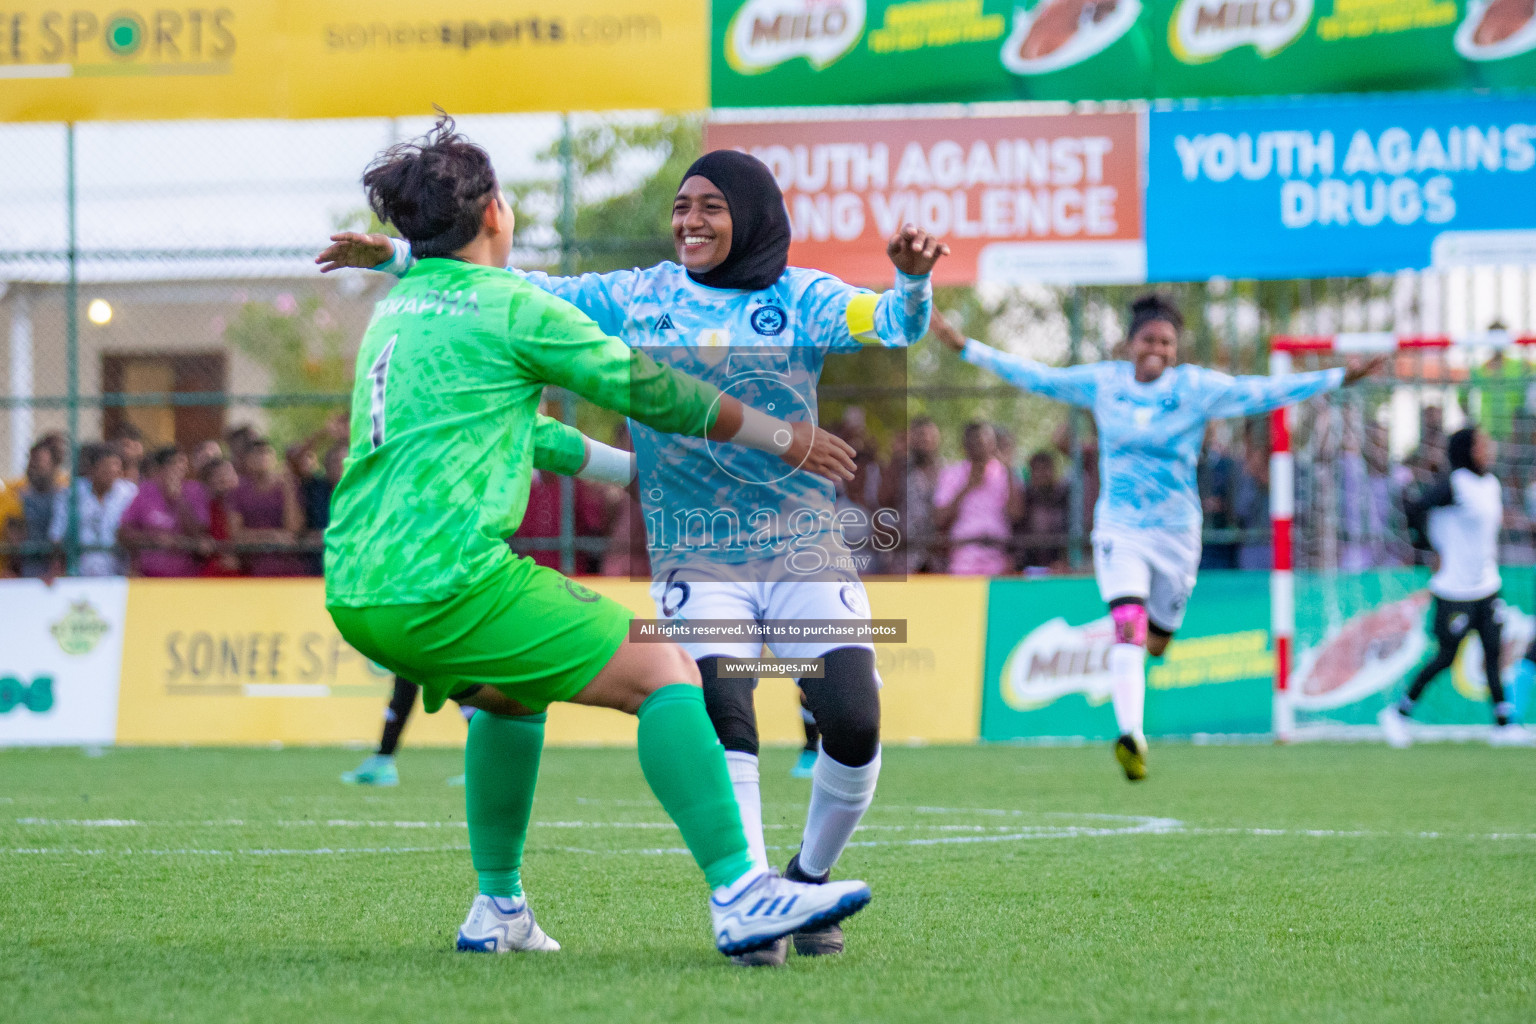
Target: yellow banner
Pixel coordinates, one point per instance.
(96, 60)
(213, 662)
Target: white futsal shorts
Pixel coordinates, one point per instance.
(1158, 566)
(695, 594)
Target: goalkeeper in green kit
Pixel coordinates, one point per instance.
(445, 432)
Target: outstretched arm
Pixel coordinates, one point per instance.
(1075, 385)
(602, 297)
(566, 451)
(556, 344)
(902, 314)
(1246, 396)
(854, 317)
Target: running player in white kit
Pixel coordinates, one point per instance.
(733, 537)
(1151, 417)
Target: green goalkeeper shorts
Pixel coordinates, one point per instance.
(534, 634)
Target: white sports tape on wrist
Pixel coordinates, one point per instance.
(763, 432)
(400, 258)
(607, 464)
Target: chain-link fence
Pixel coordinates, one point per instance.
(159, 290)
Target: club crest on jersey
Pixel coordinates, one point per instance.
(665, 323)
(852, 600)
(769, 320)
(580, 592)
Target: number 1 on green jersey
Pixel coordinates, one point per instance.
(379, 373)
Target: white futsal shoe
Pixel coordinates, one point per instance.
(772, 907)
(1511, 735)
(502, 925)
(1394, 726)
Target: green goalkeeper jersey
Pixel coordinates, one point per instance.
(446, 431)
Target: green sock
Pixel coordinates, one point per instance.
(501, 766)
(685, 766)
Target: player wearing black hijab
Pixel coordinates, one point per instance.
(1460, 516)
(722, 529)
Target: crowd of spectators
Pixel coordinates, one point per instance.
(220, 508)
(232, 507)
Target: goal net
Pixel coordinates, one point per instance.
(1350, 600)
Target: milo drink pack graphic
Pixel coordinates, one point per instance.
(828, 52)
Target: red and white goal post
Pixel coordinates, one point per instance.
(1282, 475)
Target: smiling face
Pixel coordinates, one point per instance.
(701, 225)
(1154, 348)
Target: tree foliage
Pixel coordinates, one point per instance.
(306, 354)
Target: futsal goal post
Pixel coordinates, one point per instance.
(1338, 468)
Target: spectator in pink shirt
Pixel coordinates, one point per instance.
(264, 509)
(165, 526)
(974, 503)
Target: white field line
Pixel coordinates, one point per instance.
(1074, 826)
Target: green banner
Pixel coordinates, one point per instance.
(771, 53)
(1360, 638)
(1047, 641)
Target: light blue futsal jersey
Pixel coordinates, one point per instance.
(724, 503)
(1150, 434)
(727, 504)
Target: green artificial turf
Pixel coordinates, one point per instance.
(1311, 883)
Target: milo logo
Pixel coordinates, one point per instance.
(1056, 659)
(766, 33)
(1203, 30)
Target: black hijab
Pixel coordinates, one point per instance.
(759, 223)
(1459, 450)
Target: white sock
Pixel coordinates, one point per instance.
(1128, 671)
(839, 797)
(749, 797)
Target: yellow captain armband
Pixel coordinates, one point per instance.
(861, 318)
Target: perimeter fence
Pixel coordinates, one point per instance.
(157, 282)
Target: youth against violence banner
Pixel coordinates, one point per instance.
(1050, 198)
(109, 60)
(810, 52)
